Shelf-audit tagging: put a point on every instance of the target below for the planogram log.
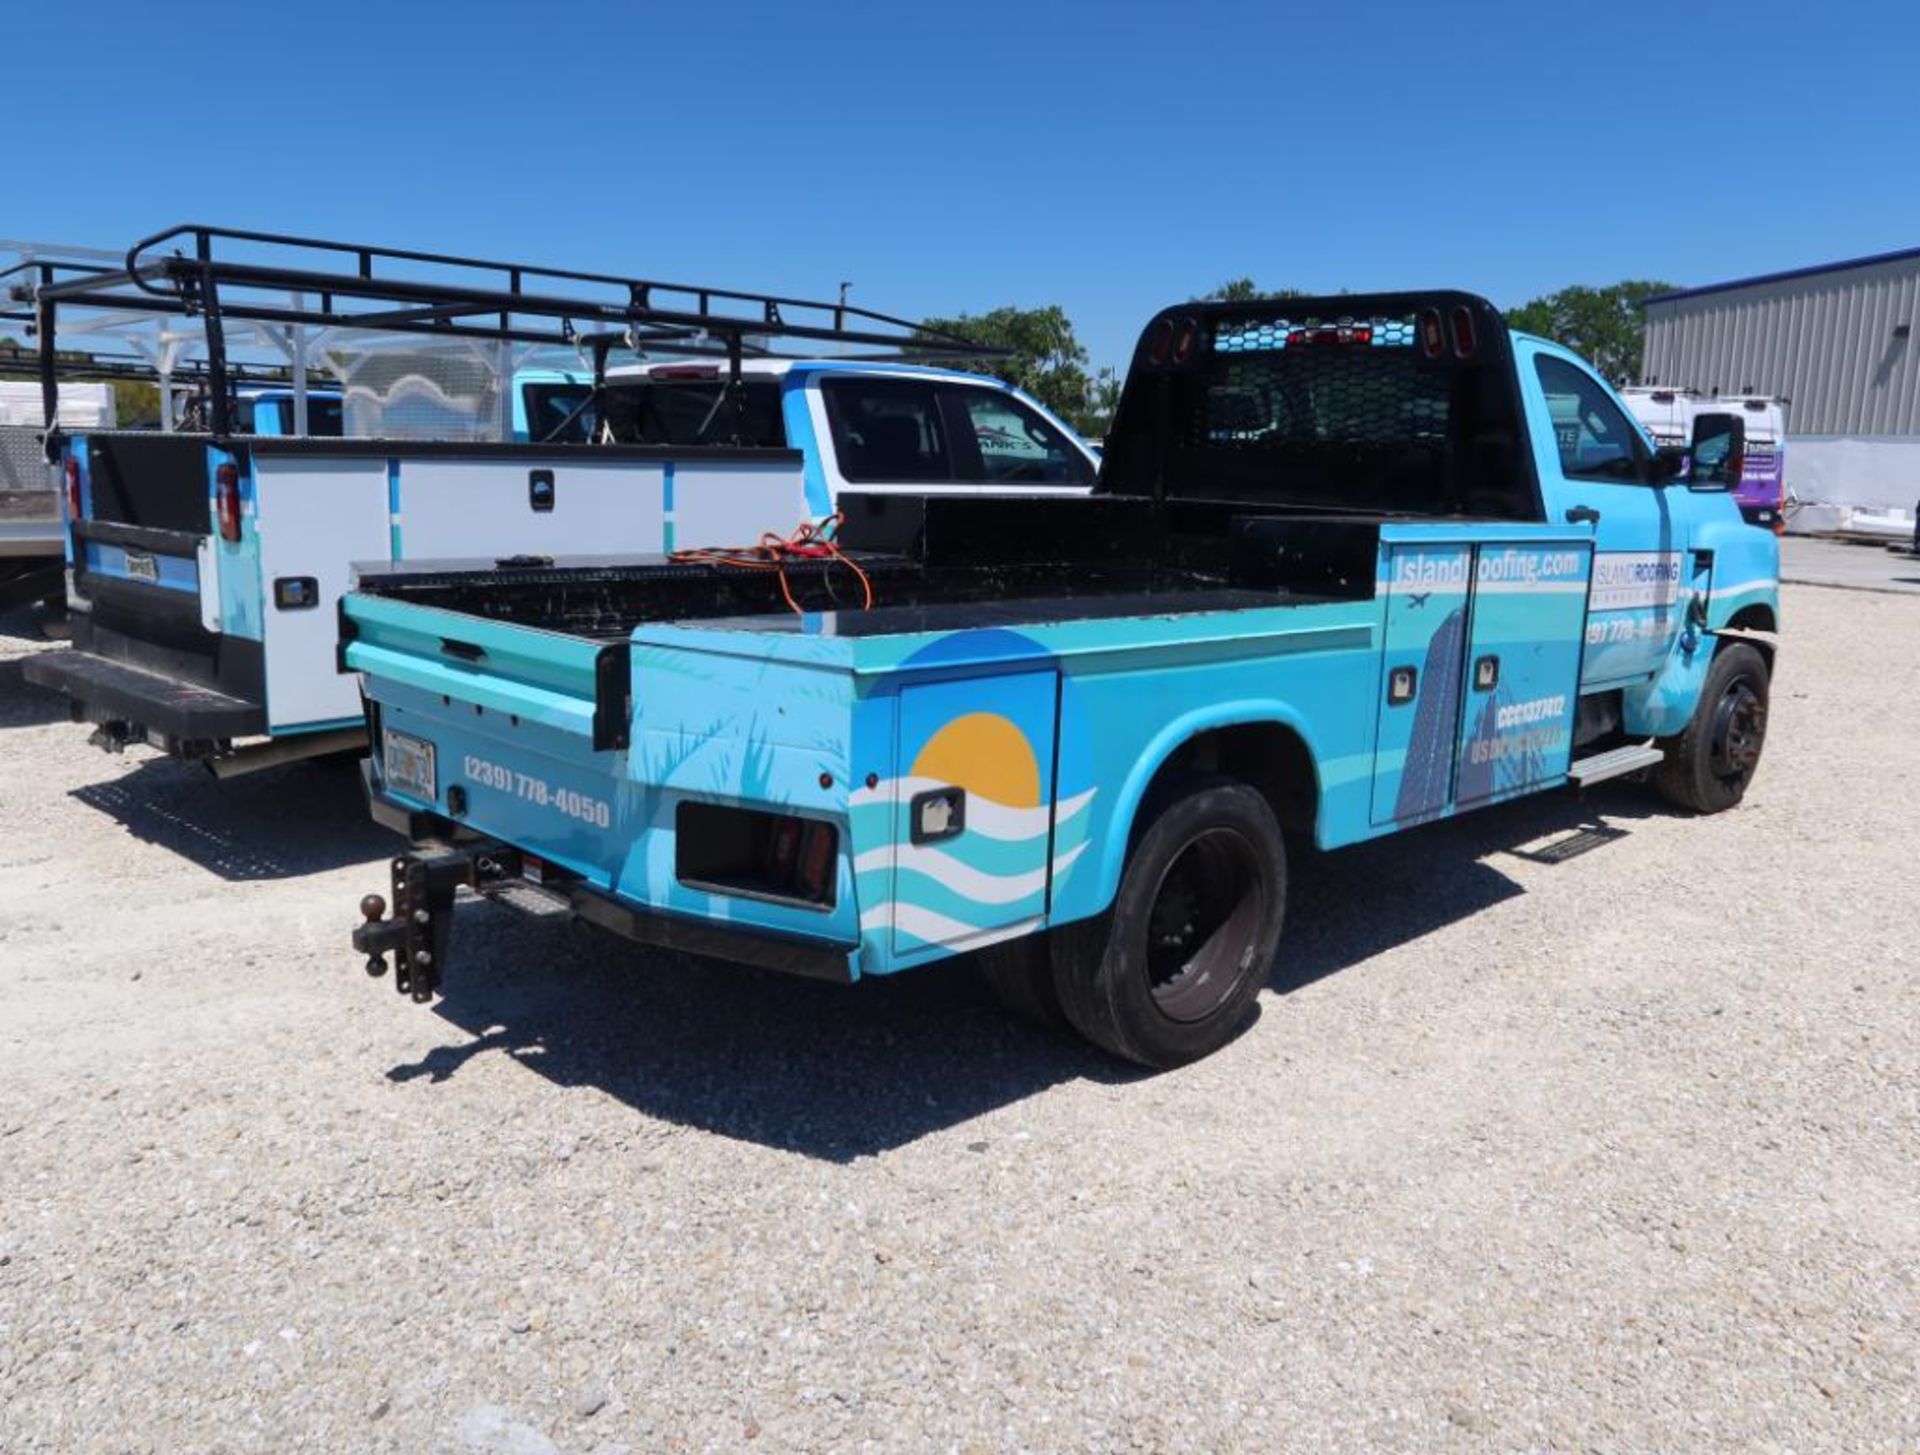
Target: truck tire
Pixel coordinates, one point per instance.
(1019, 974)
(1171, 971)
(1709, 765)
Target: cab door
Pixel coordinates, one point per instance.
(1593, 462)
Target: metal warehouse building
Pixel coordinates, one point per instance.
(1837, 343)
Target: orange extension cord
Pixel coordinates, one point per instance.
(809, 542)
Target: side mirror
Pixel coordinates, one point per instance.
(1718, 451)
(1668, 464)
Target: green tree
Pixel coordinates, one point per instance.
(1603, 325)
(1043, 355)
(1102, 399)
(1245, 290)
(136, 404)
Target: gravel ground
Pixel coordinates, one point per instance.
(1617, 1151)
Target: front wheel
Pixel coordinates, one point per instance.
(1709, 765)
(1170, 973)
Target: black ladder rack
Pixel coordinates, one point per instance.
(227, 274)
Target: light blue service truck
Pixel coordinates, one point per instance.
(1352, 565)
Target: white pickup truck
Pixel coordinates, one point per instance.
(858, 425)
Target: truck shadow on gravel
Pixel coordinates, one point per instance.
(837, 1072)
(830, 1071)
(1346, 907)
(279, 823)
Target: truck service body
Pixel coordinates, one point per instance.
(1344, 572)
(205, 568)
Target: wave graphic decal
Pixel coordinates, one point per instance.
(984, 816)
(939, 929)
(966, 880)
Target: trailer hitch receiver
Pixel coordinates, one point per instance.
(416, 933)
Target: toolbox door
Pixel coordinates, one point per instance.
(315, 517)
(1523, 666)
(973, 817)
(1424, 644)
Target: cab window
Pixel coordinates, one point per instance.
(554, 413)
(1016, 445)
(887, 429)
(1595, 438)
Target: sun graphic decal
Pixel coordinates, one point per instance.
(985, 754)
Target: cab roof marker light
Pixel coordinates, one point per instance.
(1344, 334)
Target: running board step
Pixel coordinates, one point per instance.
(1615, 763)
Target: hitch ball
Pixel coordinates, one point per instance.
(373, 909)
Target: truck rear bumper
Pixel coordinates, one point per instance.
(423, 883)
(146, 704)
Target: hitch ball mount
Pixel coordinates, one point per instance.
(416, 933)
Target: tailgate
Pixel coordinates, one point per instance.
(145, 513)
(504, 728)
(575, 685)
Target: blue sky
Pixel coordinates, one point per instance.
(1107, 157)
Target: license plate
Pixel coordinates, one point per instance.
(141, 566)
(408, 763)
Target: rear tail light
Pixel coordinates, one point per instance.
(755, 854)
(686, 371)
(226, 500)
(818, 846)
(1463, 339)
(1433, 338)
(73, 488)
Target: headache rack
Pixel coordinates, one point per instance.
(273, 283)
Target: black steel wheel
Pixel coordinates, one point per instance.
(1171, 972)
(1709, 766)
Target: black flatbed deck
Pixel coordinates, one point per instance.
(934, 565)
(953, 616)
